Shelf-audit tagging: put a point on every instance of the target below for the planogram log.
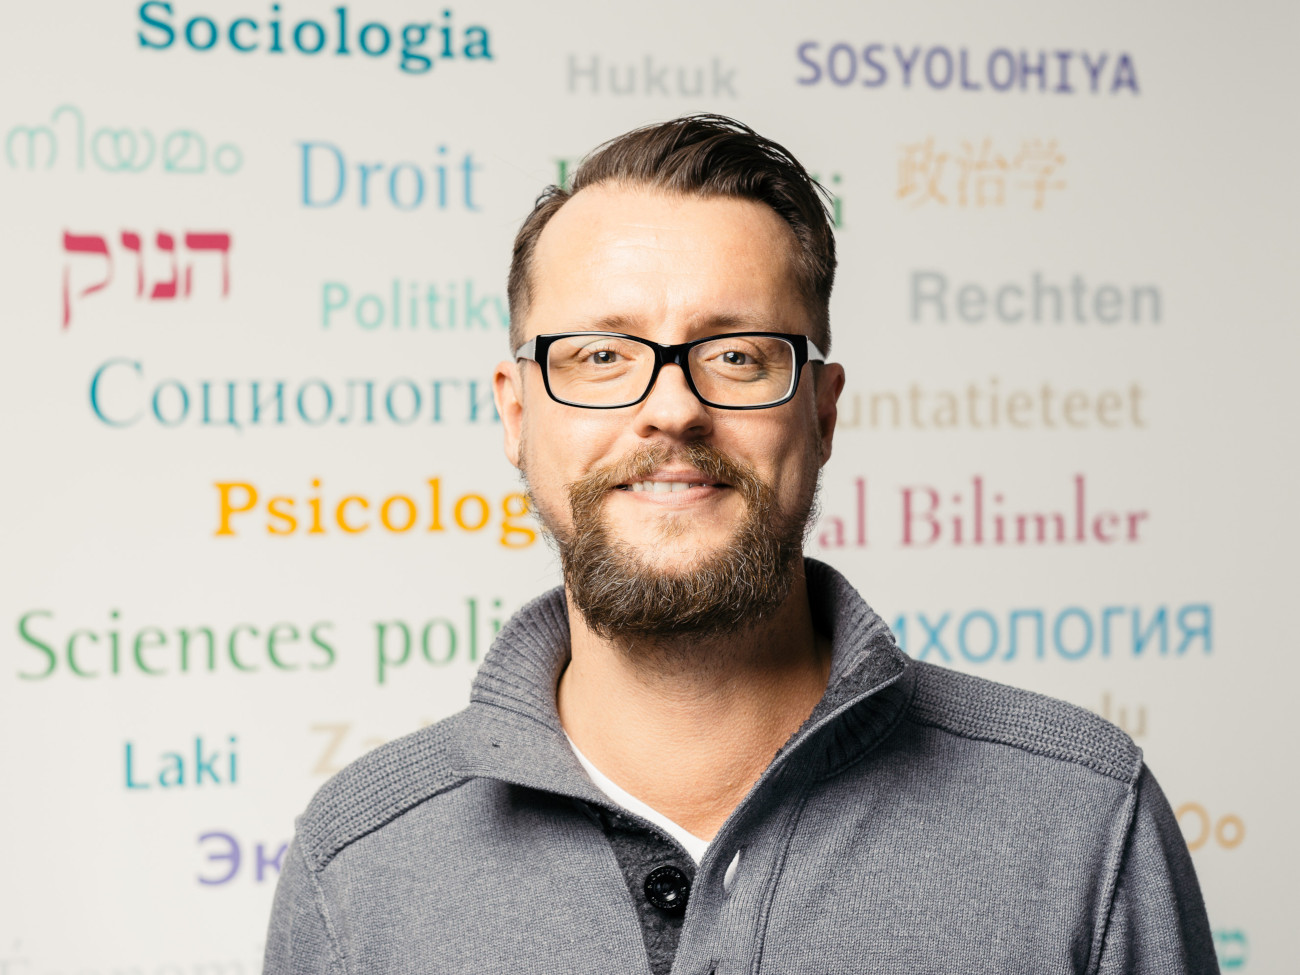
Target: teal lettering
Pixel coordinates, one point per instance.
(340, 177)
(163, 26)
(176, 765)
(131, 783)
(204, 763)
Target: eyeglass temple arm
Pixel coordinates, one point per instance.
(815, 354)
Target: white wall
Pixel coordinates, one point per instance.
(1171, 184)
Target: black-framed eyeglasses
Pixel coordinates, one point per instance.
(607, 370)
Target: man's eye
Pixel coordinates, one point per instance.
(736, 358)
(603, 357)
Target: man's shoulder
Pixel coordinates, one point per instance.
(983, 710)
(377, 788)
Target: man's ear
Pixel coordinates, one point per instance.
(507, 390)
(828, 383)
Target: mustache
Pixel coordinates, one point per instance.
(712, 463)
(620, 591)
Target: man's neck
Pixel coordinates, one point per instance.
(688, 725)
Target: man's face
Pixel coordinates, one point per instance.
(670, 269)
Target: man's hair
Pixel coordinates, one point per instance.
(703, 155)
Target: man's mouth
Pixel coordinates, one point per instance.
(666, 487)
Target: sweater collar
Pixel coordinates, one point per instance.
(511, 730)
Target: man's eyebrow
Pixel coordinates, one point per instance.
(706, 325)
(608, 323)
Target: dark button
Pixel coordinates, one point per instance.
(667, 889)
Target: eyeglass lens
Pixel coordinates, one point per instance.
(602, 370)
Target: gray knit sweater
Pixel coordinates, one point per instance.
(919, 821)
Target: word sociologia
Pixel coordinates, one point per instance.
(244, 35)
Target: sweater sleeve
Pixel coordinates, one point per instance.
(299, 940)
(1157, 921)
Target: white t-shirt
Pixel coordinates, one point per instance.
(691, 843)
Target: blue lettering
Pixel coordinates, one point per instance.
(929, 68)
(419, 186)
(163, 26)
(94, 392)
(184, 402)
(413, 38)
(1094, 70)
(263, 861)
(232, 854)
(343, 30)
(868, 58)
(189, 33)
(468, 167)
(1125, 75)
(802, 53)
(853, 64)
(320, 37)
(177, 768)
(204, 764)
(932, 636)
(302, 404)
(966, 83)
(907, 63)
(1063, 85)
(987, 653)
(1058, 633)
(234, 34)
(341, 174)
(477, 48)
(1001, 54)
(131, 783)
(384, 43)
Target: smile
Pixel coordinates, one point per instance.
(664, 487)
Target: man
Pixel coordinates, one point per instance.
(705, 753)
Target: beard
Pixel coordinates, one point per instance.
(622, 593)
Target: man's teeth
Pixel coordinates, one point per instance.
(663, 487)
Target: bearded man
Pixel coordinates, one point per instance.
(705, 753)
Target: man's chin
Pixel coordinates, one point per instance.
(672, 553)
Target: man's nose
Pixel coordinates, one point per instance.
(671, 408)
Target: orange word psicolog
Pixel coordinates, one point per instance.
(242, 508)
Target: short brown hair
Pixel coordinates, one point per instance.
(705, 155)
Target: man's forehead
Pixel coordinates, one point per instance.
(613, 246)
(627, 209)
